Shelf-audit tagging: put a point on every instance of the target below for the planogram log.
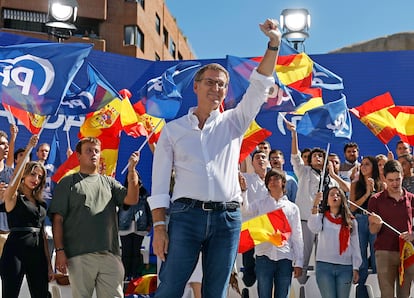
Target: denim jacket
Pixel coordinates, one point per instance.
(140, 212)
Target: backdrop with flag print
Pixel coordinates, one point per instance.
(363, 75)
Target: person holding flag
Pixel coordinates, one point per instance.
(274, 265)
(338, 256)
(203, 149)
(85, 224)
(392, 211)
(310, 181)
(26, 248)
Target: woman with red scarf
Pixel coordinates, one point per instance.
(338, 256)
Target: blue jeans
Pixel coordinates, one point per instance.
(365, 238)
(277, 273)
(334, 280)
(191, 230)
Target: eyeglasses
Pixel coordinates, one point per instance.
(213, 83)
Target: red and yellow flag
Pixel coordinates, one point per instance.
(33, 122)
(148, 122)
(273, 227)
(253, 136)
(107, 163)
(115, 116)
(375, 114)
(406, 257)
(404, 119)
(144, 285)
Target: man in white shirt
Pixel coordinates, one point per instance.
(310, 182)
(277, 160)
(256, 189)
(203, 149)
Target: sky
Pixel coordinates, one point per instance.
(217, 28)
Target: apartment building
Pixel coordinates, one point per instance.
(137, 28)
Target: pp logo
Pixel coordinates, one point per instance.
(27, 73)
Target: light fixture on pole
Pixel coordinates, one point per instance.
(61, 18)
(295, 24)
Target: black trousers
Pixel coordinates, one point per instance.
(24, 254)
(249, 265)
(131, 255)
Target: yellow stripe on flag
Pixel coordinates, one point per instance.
(128, 115)
(299, 68)
(309, 105)
(407, 120)
(253, 128)
(260, 228)
(378, 120)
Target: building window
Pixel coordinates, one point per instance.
(180, 57)
(157, 24)
(157, 57)
(165, 37)
(24, 20)
(134, 36)
(141, 2)
(172, 48)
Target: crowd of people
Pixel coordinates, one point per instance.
(200, 195)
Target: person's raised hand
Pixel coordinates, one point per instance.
(270, 28)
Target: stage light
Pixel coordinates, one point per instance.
(295, 24)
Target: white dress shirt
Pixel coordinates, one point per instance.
(205, 160)
(256, 189)
(308, 185)
(293, 249)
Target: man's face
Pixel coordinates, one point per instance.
(351, 154)
(335, 162)
(211, 89)
(19, 157)
(276, 161)
(394, 182)
(4, 148)
(43, 152)
(403, 148)
(90, 156)
(264, 147)
(317, 160)
(305, 157)
(259, 162)
(406, 165)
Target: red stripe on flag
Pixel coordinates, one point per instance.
(246, 241)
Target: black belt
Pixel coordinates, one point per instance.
(209, 205)
(25, 229)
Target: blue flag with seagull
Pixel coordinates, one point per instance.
(35, 77)
(162, 95)
(328, 123)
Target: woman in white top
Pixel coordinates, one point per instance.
(338, 256)
(274, 265)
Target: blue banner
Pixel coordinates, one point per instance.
(35, 76)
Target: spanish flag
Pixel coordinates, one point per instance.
(404, 119)
(150, 123)
(406, 257)
(107, 162)
(375, 114)
(144, 285)
(112, 118)
(273, 227)
(296, 72)
(253, 136)
(33, 122)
